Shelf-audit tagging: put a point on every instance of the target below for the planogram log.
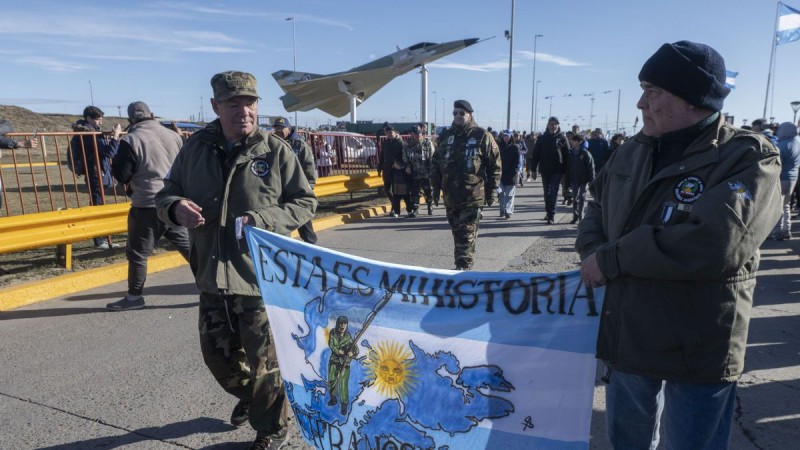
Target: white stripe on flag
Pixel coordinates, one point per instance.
(730, 79)
(788, 25)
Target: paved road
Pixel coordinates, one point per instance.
(73, 376)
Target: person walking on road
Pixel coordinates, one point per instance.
(511, 172)
(789, 147)
(283, 130)
(229, 175)
(580, 174)
(143, 159)
(418, 157)
(673, 233)
(398, 179)
(466, 168)
(550, 156)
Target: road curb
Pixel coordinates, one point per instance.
(62, 285)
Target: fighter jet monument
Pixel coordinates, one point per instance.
(342, 92)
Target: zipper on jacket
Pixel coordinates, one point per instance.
(227, 314)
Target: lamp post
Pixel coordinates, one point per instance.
(536, 107)
(533, 94)
(91, 93)
(619, 95)
(795, 106)
(550, 97)
(435, 111)
(294, 58)
(510, 37)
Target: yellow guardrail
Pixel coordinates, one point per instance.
(62, 228)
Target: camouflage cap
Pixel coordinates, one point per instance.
(233, 83)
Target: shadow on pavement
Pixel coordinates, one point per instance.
(172, 431)
(60, 312)
(170, 289)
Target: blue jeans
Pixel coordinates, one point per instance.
(694, 416)
(507, 199)
(550, 182)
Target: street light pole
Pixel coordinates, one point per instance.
(435, 110)
(619, 95)
(550, 97)
(533, 94)
(294, 58)
(536, 107)
(510, 37)
(91, 93)
(795, 107)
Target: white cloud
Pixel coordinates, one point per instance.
(194, 8)
(548, 58)
(52, 64)
(485, 67)
(214, 49)
(208, 36)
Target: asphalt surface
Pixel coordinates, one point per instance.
(73, 376)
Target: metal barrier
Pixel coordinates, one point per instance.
(62, 228)
(37, 180)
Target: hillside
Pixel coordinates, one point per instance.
(25, 120)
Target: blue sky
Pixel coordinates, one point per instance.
(165, 52)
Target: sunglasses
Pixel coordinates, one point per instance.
(459, 113)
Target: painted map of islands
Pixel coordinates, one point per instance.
(425, 394)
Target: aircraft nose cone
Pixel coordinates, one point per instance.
(468, 42)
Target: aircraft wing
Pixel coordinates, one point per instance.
(329, 93)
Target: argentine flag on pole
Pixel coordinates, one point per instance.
(788, 25)
(383, 356)
(730, 79)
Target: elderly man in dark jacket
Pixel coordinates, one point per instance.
(550, 157)
(673, 231)
(144, 157)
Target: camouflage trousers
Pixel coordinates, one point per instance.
(238, 349)
(464, 224)
(421, 187)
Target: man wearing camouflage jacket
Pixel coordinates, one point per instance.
(466, 167)
(231, 172)
(418, 157)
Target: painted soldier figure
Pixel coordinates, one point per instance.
(342, 352)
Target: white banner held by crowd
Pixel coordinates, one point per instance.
(384, 356)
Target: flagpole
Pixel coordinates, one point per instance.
(772, 57)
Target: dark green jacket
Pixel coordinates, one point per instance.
(680, 251)
(466, 166)
(304, 154)
(265, 180)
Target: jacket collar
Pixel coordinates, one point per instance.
(694, 138)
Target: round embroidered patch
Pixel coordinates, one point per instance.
(689, 189)
(259, 167)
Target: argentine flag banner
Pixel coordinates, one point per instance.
(379, 356)
(788, 29)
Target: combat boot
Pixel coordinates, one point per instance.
(240, 414)
(430, 209)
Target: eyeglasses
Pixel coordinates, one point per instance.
(459, 113)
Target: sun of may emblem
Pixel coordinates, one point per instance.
(390, 370)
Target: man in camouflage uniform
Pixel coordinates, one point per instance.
(283, 129)
(226, 175)
(466, 167)
(417, 157)
(342, 352)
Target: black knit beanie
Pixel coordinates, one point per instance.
(694, 72)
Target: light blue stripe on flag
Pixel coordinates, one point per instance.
(380, 355)
(730, 79)
(788, 25)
